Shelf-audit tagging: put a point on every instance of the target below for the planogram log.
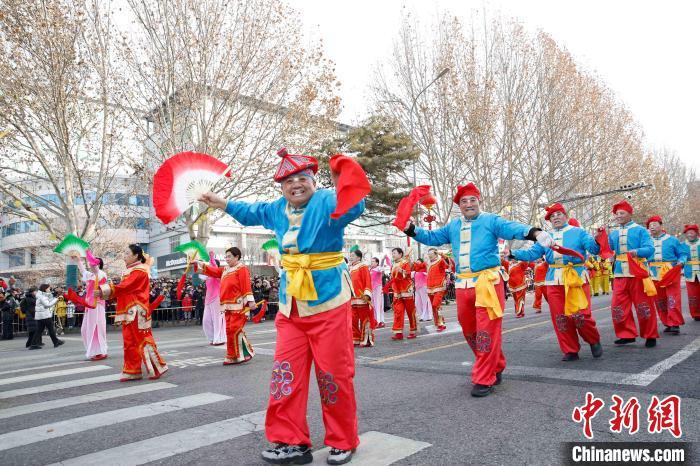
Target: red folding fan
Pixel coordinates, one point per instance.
(180, 181)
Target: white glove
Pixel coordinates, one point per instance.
(544, 239)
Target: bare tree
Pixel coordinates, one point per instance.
(229, 78)
(61, 132)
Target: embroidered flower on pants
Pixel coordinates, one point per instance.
(562, 322)
(327, 387)
(643, 311)
(618, 315)
(281, 380)
(483, 342)
(579, 320)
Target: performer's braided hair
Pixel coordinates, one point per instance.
(138, 251)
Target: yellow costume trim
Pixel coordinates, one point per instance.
(486, 291)
(300, 282)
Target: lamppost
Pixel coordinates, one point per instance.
(410, 127)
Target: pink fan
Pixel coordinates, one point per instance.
(93, 262)
(181, 179)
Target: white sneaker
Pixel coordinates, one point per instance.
(339, 456)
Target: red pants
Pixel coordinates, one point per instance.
(482, 334)
(325, 339)
(363, 324)
(140, 348)
(568, 328)
(540, 291)
(407, 305)
(238, 348)
(436, 303)
(519, 301)
(668, 304)
(627, 291)
(693, 289)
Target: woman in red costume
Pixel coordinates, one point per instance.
(134, 315)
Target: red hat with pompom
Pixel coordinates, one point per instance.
(291, 164)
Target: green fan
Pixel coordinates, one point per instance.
(355, 248)
(192, 248)
(271, 245)
(72, 246)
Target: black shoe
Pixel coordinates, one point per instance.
(60, 342)
(597, 350)
(480, 391)
(697, 319)
(288, 454)
(499, 378)
(570, 357)
(35, 347)
(42, 343)
(667, 329)
(675, 330)
(339, 456)
(625, 341)
(650, 343)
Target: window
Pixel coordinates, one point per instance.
(141, 223)
(32, 258)
(139, 200)
(19, 227)
(16, 257)
(174, 242)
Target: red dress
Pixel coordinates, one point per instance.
(436, 289)
(362, 314)
(134, 315)
(518, 285)
(235, 295)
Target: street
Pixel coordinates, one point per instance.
(413, 398)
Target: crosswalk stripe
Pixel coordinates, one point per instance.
(23, 437)
(50, 366)
(48, 375)
(58, 386)
(654, 372)
(168, 445)
(80, 399)
(378, 449)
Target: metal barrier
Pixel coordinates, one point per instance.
(163, 316)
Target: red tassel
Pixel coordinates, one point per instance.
(636, 269)
(156, 302)
(566, 251)
(602, 240)
(671, 276)
(77, 299)
(406, 205)
(181, 286)
(351, 186)
(257, 318)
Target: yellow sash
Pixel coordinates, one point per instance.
(300, 282)
(648, 283)
(663, 267)
(575, 298)
(485, 290)
(692, 263)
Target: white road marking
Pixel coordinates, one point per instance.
(48, 375)
(80, 399)
(378, 449)
(165, 446)
(50, 366)
(646, 377)
(23, 437)
(58, 386)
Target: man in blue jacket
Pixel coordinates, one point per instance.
(567, 284)
(480, 294)
(668, 252)
(633, 239)
(314, 319)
